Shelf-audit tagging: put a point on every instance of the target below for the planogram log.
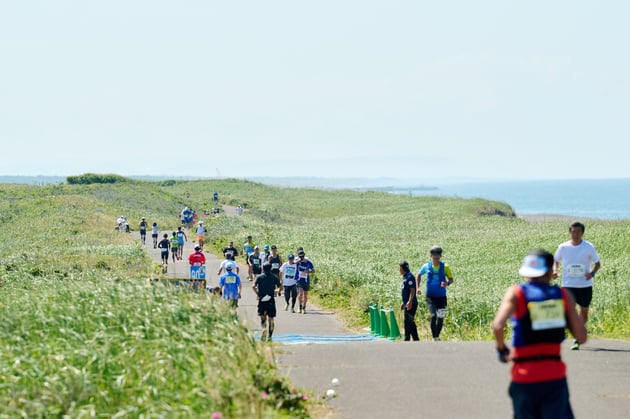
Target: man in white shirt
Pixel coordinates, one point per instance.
(580, 263)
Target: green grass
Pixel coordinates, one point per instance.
(85, 333)
(357, 239)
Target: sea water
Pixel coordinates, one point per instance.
(592, 198)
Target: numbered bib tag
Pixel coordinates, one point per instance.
(576, 270)
(547, 314)
(275, 265)
(230, 279)
(303, 275)
(198, 272)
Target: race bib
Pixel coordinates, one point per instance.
(256, 261)
(576, 270)
(547, 314)
(303, 275)
(275, 265)
(230, 279)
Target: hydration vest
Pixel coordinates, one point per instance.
(544, 320)
(434, 289)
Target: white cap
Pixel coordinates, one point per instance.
(533, 267)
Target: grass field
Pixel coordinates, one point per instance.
(84, 333)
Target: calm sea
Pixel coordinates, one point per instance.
(604, 199)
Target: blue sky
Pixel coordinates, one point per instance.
(405, 89)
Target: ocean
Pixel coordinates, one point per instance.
(592, 198)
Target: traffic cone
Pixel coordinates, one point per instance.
(377, 321)
(372, 322)
(384, 325)
(394, 331)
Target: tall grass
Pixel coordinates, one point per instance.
(357, 239)
(85, 333)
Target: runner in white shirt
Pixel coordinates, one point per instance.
(580, 262)
(288, 275)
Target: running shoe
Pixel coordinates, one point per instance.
(286, 306)
(293, 310)
(263, 337)
(575, 346)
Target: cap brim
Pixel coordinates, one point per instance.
(529, 272)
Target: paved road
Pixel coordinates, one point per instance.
(380, 378)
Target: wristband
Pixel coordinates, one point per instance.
(592, 273)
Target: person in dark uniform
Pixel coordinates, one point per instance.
(409, 301)
(539, 312)
(265, 287)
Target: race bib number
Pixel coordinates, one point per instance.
(230, 279)
(256, 262)
(275, 265)
(576, 270)
(198, 272)
(547, 314)
(303, 275)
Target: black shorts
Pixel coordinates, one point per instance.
(582, 296)
(267, 308)
(304, 285)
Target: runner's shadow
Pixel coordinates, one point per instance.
(604, 349)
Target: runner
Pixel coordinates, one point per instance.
(182, 238)
(229, 261)
(248, 249)
(255, 263)
(288, 275)
(265, 288)
(143, 231)
(230, 249)
(164, 245)
(174, 246)
(230, 284)
(539, 312)
(197, 258)
(154, 234)
(276, 261)
(580, 263)
(439, 276)
(201, 234)
(305, 270)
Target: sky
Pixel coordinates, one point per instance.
(404, 89)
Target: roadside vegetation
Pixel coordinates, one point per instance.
(85, 330)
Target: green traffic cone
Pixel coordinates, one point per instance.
(384, 325)
(394, 331)
(372, 320)
(377, 322)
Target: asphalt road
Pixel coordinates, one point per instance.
(382, 378)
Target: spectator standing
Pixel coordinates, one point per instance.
(539, 313)
(409, 301)
(439, 276)
(580, 263)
